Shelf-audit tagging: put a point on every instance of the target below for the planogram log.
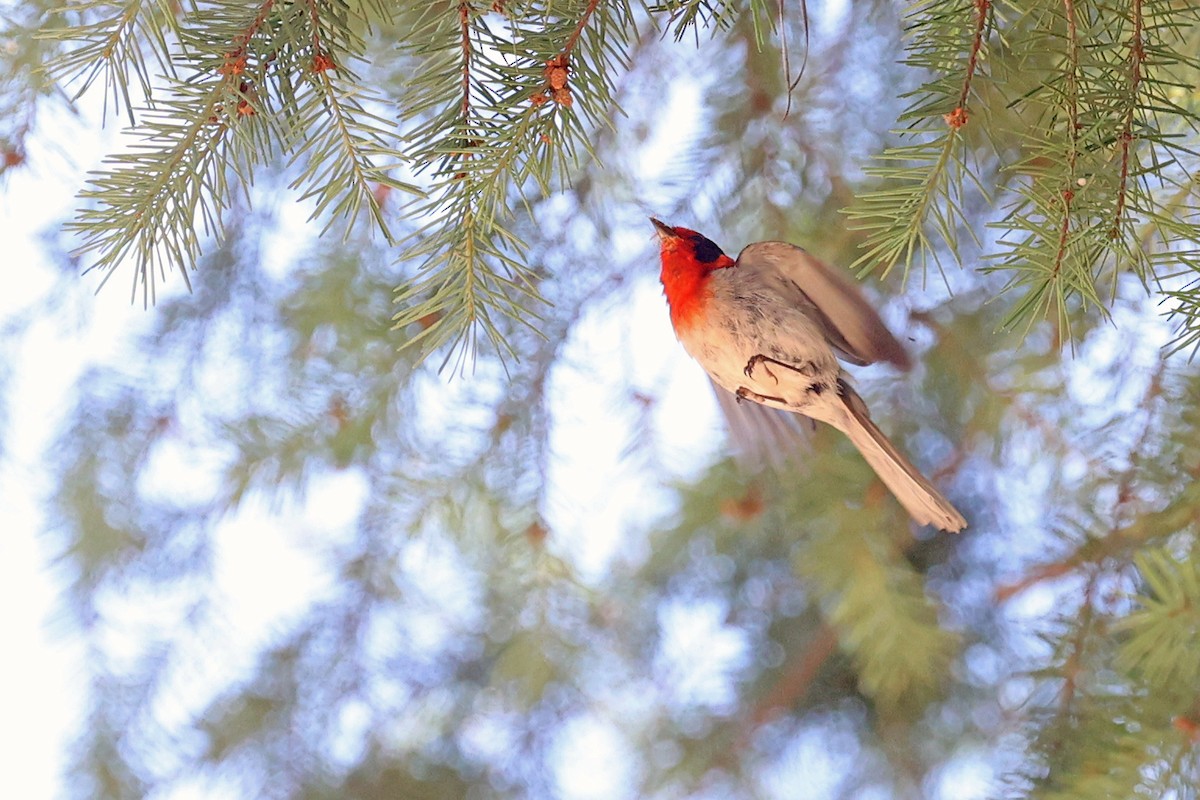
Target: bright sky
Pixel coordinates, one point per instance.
(44, 688)
(41, 687)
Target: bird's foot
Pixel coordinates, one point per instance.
(807, 368)
(743, 393)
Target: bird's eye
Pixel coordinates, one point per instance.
(706, 249)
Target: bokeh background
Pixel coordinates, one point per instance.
(253, 547)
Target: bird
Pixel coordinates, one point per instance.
(770, 327)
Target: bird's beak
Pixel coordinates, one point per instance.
(665, 231)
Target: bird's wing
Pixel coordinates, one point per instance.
(761, 436)
(852, 327)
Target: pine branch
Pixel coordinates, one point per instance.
(1086, 200)
(112, 40)
(261, 84)
(344, 139)
(513, 128)
(1137, 54)
(1162, 637)
(351, 150)
(1107, 131)
(926, 180)
(1124, 679)
(147, 202)
(876, 605)
(693, 15)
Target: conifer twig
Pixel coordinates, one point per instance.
(791, 82)
(1067, 195)
(464, 26)
(1137, 54)
(583, 21)
(958, 117)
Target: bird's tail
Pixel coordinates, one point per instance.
(924, 503)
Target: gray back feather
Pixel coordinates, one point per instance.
(851, 325)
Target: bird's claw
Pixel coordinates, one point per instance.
(743, 393)
(754, 361)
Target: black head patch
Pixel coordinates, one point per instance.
(706, 249)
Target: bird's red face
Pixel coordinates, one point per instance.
(688, 258)
(686, 245)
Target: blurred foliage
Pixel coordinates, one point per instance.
(752, 635)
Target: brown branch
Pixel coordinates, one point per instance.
(787, 62)
(958, 117)
(952, 464)
(1074, 663)
(321, 60)
(235, 59)
(558, 69)
(1072, 86)
(235, 62)
(316, 25)
(795, 682)
(464, 22)
(1137, 54)
(467, 141)
(1073, 126)
(1064, 231)
(982, 7)
(583, 21)
(1043, 573)
(1120, 537)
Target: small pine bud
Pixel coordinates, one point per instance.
(558, 71)
(321, 62)
(234, 65)
(956, 118)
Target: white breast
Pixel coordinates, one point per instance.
(746, 316)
